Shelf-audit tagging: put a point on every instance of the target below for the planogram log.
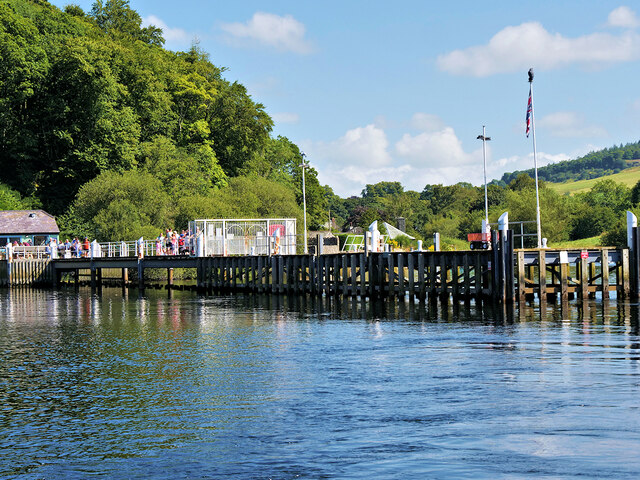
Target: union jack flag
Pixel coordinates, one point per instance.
(529, 112)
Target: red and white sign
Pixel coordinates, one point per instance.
(584, 254)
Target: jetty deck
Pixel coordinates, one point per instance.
(499, 275)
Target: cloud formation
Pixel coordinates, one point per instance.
(516, 48)
(623, 17)
(364, 155)
(266, 29)
(174, 37)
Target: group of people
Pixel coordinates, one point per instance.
(168, 243)
(173, 243)
(52, 248)
(77, 248)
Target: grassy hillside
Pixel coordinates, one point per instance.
(628, 177)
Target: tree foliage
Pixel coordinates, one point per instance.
(83, 94)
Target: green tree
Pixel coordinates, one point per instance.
(123, 206)
(607, 193)
(555, 212)
(117, 17)
(382, 189)
(635, 194)
(239, 128)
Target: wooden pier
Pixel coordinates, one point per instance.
(499, 275)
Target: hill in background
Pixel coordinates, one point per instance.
(593, 165)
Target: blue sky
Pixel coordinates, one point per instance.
(375, 91)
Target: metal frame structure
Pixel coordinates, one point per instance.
(253, 236)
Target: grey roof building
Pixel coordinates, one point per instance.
(36, 225)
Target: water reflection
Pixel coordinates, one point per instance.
(279, 387)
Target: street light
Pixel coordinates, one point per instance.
(304, 166)
(485, 139)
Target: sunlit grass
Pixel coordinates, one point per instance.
(628, 177)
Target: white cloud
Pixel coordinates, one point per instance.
(363, 156)
(285, 117)
(623, 17)
(283, 33)
(433, 148)
(569, 124)
(362, 146)
(517, 48)
(427, 122)
(173, 36)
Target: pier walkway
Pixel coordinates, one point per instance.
(498, 275)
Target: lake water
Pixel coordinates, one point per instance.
(285, 388)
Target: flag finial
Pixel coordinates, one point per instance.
(530, 75)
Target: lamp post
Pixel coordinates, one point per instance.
(485, 139)
(304, 165)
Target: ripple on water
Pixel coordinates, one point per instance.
(273, 387)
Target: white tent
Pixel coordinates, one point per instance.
(394, 232)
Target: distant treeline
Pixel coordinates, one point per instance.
(593, 165)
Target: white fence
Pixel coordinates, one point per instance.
(265, 245)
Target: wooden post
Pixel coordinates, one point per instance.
(422, 290)
(411, 275)
(93, 276)
(335, 284)
(433, 287)
(495, 265)
(140, 274)
(584, 278)
(477, 275)
(392, 274)
(564, 282)
(169, 278)
(542, 275)
(320, 274)
(502, 272)
(401, 286)
(382, 274)
(466, 271)
(274, 274)
(345, 275)
(280, 274)
(521, 277)
(455, 270)
(634, 259)
(592, 276)
(510, 288)
(604, 264)
(626, 286)
(444, 275)
(372, 275)
(362, 259)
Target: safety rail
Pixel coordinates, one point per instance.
(24, 251)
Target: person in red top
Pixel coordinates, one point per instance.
(85, 247)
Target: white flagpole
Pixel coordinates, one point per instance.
(535, 159)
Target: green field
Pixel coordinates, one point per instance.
(628, 177)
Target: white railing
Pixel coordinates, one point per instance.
(250, 245)
(265, 245)
(27, 252)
